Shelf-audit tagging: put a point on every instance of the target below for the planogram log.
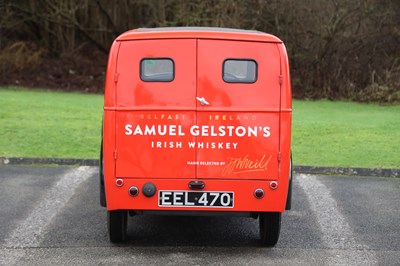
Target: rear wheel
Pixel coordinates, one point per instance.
(289, 195)
(270, 227)
(101, 175)
(117, 222)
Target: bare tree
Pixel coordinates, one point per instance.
(337, 48)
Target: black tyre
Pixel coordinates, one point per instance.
(289, 195)
(270, 227)
(101, 175)
(117, 222)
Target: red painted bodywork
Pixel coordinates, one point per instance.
(194, 147)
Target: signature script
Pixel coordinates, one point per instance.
(245, 165)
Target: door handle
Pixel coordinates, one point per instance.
(196, 185)
(202, 101)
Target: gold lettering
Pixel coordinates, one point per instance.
(163, 116)
(246, 165)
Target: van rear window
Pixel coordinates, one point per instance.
(157, 69)
(239, 71)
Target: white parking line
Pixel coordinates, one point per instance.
(336, 233)
(30, 232)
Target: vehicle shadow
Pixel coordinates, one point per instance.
(150, 230)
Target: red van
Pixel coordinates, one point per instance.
(197, 121)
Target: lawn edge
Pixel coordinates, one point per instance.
(316, 170)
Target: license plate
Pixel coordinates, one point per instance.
(209, 199)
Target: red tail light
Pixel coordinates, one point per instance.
(273, 185)
(258, 193)
(119, 182)
(133, 191)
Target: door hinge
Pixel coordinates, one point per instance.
(115, 155)
(280, 79)
(116, 77)
(279, 157)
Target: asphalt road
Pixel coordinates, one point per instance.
(51, 216)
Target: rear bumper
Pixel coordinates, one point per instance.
(274, 200)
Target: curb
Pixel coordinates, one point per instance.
(316, 170)
(47, 161)
(376, 172)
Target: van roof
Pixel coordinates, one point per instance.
(197, 33)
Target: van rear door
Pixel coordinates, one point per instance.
(215, 115)
(238, 92)
(156, 105)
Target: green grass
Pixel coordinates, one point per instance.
(68, 125)
(49, 124)
(346, 134)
